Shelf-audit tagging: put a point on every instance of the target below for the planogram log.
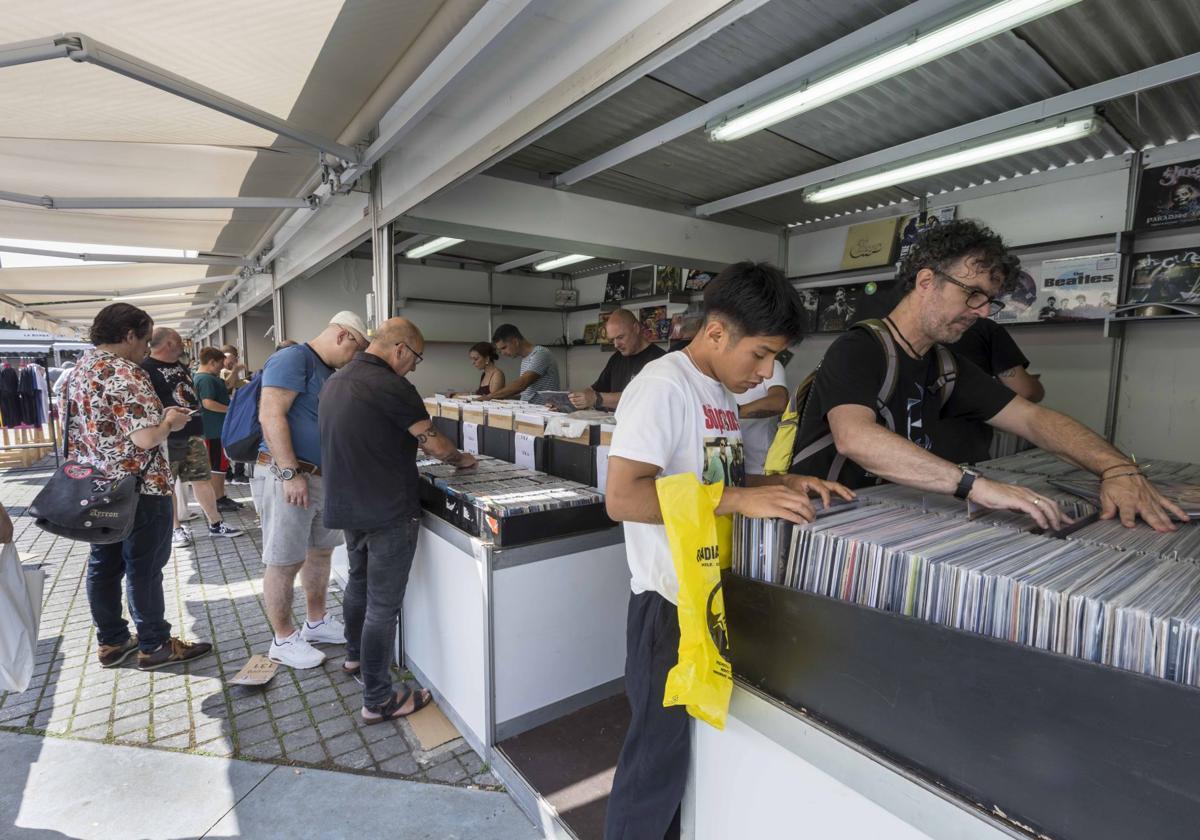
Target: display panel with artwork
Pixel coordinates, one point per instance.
(1169, 196)
(656, 325)
(1073, 289)
(617, 287)
(913, 226)
(870, 244)
(838, 305)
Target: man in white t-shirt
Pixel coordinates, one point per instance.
(759, 410)
(678, 416)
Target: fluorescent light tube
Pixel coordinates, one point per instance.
(971, 29)
(431, 247)
(559, 262)
(149, 296)
(1038, 138)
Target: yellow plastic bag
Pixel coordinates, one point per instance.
(700, 544)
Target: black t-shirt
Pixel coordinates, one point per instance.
(368, 457)
(989, 346)
(851, 374)
(620, 370)
(173, 383)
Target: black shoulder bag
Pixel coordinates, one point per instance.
(81, 504)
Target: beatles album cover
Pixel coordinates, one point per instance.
(1073, 289)
(1169, 197)
(1166, 277)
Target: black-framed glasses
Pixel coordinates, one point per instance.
(975, 297)
(420, 358)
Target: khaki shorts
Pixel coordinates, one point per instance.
(289, 531)
(194, 464)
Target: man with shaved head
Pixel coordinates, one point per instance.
(634, 352)
(372, 421)
(186, 452)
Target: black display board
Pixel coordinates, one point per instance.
(1071, 749)
(574, 461)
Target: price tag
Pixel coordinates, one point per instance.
(525, 451)
(601, 467)
(471, 438)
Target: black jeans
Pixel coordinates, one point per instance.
(652, 770)
(139, 559)
(380, 561)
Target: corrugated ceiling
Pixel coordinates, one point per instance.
(1087, 43)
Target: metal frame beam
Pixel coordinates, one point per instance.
(80, 48)
(161, 287)
(130, 258)
(157, 203)
(899, 24)
(1166, 73)
(430, 87)
(527, 260)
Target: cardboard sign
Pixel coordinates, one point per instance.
(258, 671)
(471, 437)
(525, 451)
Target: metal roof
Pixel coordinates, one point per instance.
(1090, 42)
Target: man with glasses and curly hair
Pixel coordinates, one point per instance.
(880, 397)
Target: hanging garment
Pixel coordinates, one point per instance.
(27, 389)
(41, 393)
(10, 399)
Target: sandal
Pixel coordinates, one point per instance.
(391, 709)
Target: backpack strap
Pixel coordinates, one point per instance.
(891, 372)
(947, 374)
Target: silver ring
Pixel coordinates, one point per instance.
(1037, 501)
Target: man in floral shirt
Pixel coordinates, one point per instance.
(117, 425)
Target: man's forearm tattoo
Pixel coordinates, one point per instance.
(425, 437)
(1010, 373)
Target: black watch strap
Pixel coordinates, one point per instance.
(964, 484)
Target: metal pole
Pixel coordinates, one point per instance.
(1125, 247)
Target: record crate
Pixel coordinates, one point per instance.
(1058, 746)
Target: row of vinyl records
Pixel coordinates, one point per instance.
(1105, 593)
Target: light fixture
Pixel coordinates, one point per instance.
(149, 296)
(559, 262)
(1069, 128)
(431, 247)
(922, 49)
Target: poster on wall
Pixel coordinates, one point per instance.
(912, 227)
(1170, 196)
(1166, 277)
(616, 287)
(811, 299)
(870, 244)
(1073, 289)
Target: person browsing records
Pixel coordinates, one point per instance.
(633, 352)
(993, 350)
(856, 428)
(483, 358)
(679, 416)
(539, 371)
(759, 410)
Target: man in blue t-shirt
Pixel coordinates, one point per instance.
(288, 492)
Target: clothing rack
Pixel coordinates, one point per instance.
(24, 444)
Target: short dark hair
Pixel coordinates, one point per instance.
(211, 354)
(114, 322)
(756, 299)
(485, 349)
(507, 332)
(938, 246)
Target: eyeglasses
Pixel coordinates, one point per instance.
(420, 358)
(975, 297)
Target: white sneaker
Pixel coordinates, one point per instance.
(180, 538)
(295, 653)
(328, 631)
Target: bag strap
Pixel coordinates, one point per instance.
(947, 374)
(892, 372)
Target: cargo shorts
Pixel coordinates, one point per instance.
(193, 466)
(289, 531)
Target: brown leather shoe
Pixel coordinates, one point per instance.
(113, 655)
(172, 652)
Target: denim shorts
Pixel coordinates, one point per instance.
(289, 531)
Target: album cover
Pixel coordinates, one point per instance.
(641, 282)
(590, 332)
(667, 280)
(811, 300)
(1166, 277)
(656, 326)
(697, 279)
(870, 244)
(1169, 196)
(838, 305)
(1074, 289)
(913, 226)
(617, 287)
(601, 332)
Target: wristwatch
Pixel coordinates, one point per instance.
(599, 404)
(284, 473)
(965, 483)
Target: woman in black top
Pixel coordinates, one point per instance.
(483, 356)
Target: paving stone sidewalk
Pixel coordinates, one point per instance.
(213, 593)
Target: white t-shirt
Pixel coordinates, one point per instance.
(759, 432)
(675, 417)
